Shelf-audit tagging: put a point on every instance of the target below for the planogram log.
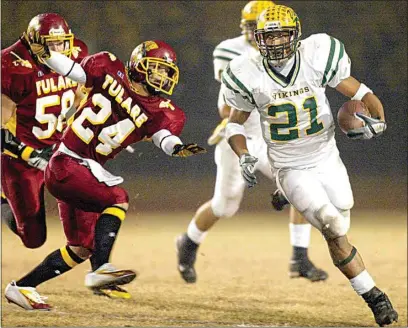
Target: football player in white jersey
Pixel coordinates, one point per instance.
(286, 85)
(230, 186)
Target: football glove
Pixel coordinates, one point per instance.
(187, 150)
(38, 45)
(372, 128)
(247, 163)
(218, 133)
(37, 158)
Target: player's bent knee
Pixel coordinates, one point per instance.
(334, 224)
(224, 208)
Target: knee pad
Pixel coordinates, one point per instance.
(333, 223)
(225, 207)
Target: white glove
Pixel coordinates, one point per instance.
(372, 128)
(247, 163)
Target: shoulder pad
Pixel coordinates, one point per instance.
(323, 52)
(79, 50)
(230, 48)
(239, 77)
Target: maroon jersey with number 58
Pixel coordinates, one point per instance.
(41, 95)
(114, 116)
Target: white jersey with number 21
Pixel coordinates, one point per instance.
(295, 115)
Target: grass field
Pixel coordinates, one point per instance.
(242, 280)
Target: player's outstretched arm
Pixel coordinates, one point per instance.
(173, 146)
(374, 125)
(57, 62)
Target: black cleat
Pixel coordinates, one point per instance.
(186, 255)
(381, 306)
(278, 200)
(306, 269)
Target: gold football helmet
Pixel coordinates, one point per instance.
(277, 34)
(249, 14)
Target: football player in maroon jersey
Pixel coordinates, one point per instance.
(123, 106)
(35, 101)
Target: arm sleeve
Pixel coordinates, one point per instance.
(235, 93)
(222, 55)
(337, 63)
(66, 67)
(166, 141)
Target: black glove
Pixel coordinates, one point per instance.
(372, 128)
(38, 45)
(187, 150)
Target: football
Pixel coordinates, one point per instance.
(346, 118)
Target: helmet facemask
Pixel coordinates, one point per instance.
(67, 40)
(160, 74)
(277, 45)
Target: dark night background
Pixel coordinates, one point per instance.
(374, 35)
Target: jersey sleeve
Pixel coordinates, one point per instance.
(335, 64)
(95, 67)
(14, 81)
(236, 93)
(222, 55)
(175, 121)
(170, 120)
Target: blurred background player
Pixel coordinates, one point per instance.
(230, 186)
(298, 128)
(35, 101)
(123, 106)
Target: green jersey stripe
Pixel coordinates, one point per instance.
(338, 61)
(228, 50)
(225, 79)
(223, 58)
(329, 60)
(240, 85)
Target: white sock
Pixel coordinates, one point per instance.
(300, 234)
(195, 234)
(362, 283)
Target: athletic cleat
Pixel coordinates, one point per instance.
(186, 254)
(25, 297)
(306, 269)
(381, 306)
(107, 275)
(278, 200)
(112, 292)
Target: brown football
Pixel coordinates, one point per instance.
(346, 118)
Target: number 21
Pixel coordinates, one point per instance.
(309, 105)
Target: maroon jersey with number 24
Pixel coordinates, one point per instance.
(114, 116)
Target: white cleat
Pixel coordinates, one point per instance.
(107, 275)
(26, 297)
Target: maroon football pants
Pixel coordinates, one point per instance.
(23, 186)
(81, 197)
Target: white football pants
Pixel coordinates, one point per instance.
(230, 185)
